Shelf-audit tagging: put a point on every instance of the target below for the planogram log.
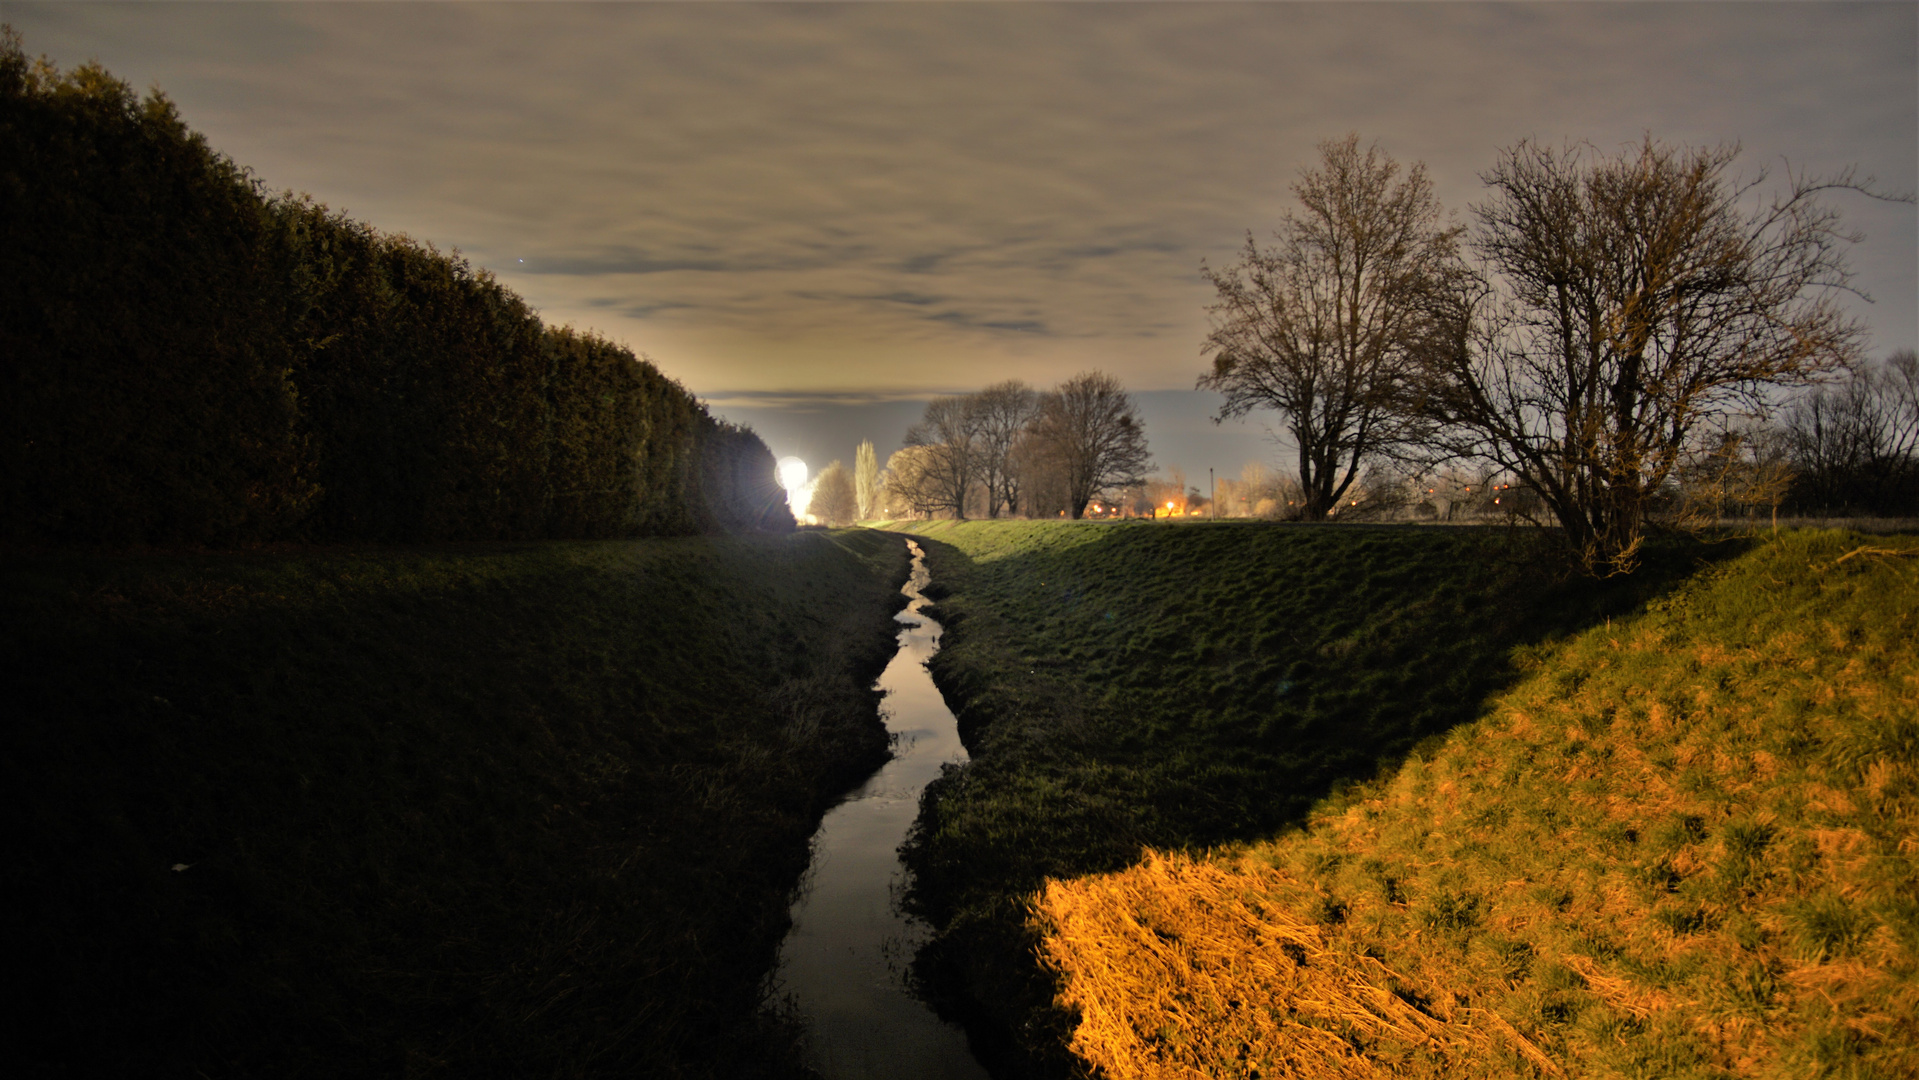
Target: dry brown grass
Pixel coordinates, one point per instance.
(1184, 968)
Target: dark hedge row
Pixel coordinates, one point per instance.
(187, 360)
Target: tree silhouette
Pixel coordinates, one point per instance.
(1624, 302)
(834, 501)
(1324, 327)
(1091, 428)
(866, 480)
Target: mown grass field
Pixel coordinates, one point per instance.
(1684, 844)
(489, 810)
(1149, 686)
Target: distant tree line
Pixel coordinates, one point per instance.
(189, 360)
(1593, 353)
(1851, 445)
(1010, 449)
(1846, 447)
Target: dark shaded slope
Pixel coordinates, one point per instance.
(512, 811)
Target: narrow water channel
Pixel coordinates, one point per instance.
(844, 963)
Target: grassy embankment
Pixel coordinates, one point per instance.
(516, 810)
(1685, 844)
(1132, 686)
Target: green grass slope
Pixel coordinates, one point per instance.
(1125, 686)
(526, 810)
(1685, 844)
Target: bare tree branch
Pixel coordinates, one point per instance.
(1624, 301)
(1091, 428)
(1323, 327)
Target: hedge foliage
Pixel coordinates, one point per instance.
(190, 360)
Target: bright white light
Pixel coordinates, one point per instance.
(799, 493)
(792, 473)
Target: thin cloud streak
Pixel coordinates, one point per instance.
(800, 402)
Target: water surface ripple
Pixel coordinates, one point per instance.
(845, 960)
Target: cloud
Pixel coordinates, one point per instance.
(973, 321)
(800, 401)
(915, 299)
(623, 263)
(647, 311)
(837, 196)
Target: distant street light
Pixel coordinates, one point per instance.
(792, 473)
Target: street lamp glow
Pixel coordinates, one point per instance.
(799, 493)
(792, 473)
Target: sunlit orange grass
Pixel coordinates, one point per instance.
(1601, 821)
(1179, 968)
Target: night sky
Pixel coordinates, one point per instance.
(815, 216)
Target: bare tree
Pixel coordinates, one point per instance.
(906, 492)
(1266, 493)
(1902, 386)
(1744, 465)
(1457, 491)
(1090, 426)
(1627, 300)
(1381, 494)
(949, 432)
(1001, 413)
(834, 501)
(1855, 443)
(1900, 383)
(1834, 436)
(1322, 327)
(1040, 489)
(866, 479)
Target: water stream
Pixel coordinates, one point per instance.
(844, 962)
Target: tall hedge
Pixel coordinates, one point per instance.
(423, 384)
(593, 466)
(187, 360)
(146, 392)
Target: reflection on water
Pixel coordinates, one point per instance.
(845, 961)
